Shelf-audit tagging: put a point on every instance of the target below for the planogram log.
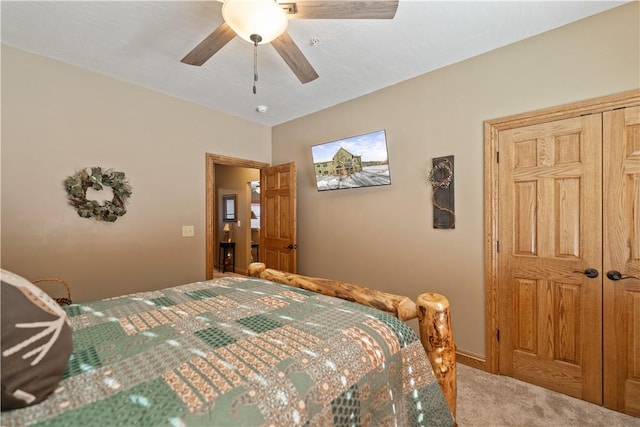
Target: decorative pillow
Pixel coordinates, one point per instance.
(36, 342)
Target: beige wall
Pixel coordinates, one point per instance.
(383, 236)
(58, 118)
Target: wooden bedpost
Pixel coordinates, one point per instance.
(255, 268)
(434, 318)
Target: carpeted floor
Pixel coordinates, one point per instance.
(493, 401)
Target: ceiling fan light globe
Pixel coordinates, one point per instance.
(263, 17)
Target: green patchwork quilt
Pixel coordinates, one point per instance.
(239, 351)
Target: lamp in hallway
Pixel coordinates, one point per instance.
(226, 230)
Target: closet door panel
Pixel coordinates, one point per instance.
(621, 219)
(550, 232)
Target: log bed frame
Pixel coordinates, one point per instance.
(432, 311)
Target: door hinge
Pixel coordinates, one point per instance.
(497, 245)
(497, 157)
(498, 334)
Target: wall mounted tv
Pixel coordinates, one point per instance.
(354, 162)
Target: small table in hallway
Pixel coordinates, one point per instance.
(227, 257)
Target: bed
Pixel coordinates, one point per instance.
(272, 349)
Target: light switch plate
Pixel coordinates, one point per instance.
(187, 231)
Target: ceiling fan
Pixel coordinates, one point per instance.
(265, 21)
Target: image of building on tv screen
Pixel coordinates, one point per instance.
(357, 161)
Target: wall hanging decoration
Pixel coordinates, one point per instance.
(96, 178)
(441, 180)
(229, 208)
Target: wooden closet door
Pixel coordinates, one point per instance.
(621, 210)
(550, 233)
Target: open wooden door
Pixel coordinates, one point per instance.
(621, 139)
(278, 239)
(550, 255)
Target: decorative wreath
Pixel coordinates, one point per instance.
(78, 183)
(441, 175)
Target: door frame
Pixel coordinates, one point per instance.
(492, 195)
(211, 160)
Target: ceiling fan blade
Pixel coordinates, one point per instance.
(292, 55)
(210, 45)
(347, 9)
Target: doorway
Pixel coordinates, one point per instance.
(212, 232)
(278, 235)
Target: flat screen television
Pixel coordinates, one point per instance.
(354, 162)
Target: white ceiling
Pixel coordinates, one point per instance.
(142, 42)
